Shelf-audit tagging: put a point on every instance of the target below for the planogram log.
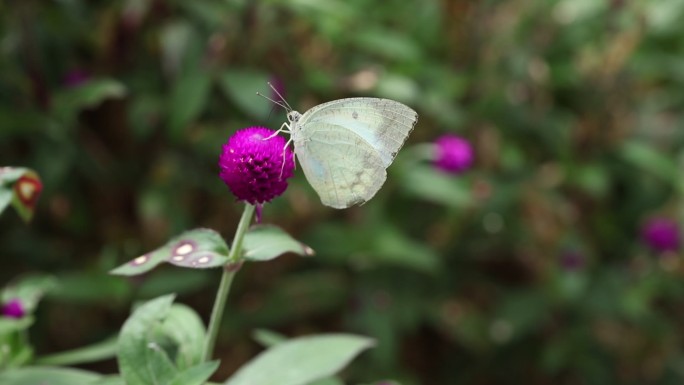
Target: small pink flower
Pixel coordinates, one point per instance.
(252, 167)
(661, 234)
(572, 260)
(453, 154)
(13, 309)
(75, 78)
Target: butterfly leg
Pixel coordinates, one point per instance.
(281, 129)
(294, 158)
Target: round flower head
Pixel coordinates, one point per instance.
(453, 154)
(572, 260)
(661, 234)
(75, 78)
(252, 166)
(278, 89)
(13, 309)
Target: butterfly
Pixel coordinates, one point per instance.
(345, 146)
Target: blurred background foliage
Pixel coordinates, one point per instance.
(529, 267)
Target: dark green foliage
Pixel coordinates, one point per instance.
(575, 109)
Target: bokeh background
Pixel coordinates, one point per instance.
(534, 266)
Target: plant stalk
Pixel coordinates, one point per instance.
(229, 272)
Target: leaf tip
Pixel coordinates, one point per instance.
(308, 251)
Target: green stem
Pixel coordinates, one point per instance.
(226, 280)
(96, 352)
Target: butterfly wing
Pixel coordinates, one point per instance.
(344, 146)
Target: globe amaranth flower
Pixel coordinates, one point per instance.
(453, 154)
(252, 165)
(278, 91)
(75, 78)
(13, 309)
(661, 234)
(572, 260)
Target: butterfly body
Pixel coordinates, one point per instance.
(345, 146)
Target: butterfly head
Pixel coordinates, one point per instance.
(293, 116)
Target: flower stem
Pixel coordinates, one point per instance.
(226, 280)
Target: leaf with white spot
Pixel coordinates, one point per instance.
(265, 242)
(196, 249)
(301, 361)
(21, 188)
(199, 260)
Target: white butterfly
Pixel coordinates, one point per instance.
(345, 146)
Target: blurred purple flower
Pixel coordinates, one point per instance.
(572, 260)
(252, 167)
(278, 92)
(453, 154)
(13, 309)
(661, 234)
(75, 78)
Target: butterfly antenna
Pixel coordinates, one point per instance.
(285, 106)
(279, 95)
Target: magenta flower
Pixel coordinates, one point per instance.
(572, 260)
(278, 91)
(13, 309)
(453, 154)
(75, 78)
(252, 166)
(661, 234)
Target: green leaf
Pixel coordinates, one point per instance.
(91, 287)
(19, 356)
(328, 381)
(195, 249)
(189, 97)
(388, 43)
(241, 87)
(385, 382)
(196, 375)
(301, 360)
(69, 102)
(110, 380)
(427, 183)
(390, 246)
(29, 290)
(142, 361)
(186, 329)
(265, 242)
(22, 187)
(10, 325)
(5, 198)
(95, 92)
(157, 334)
(11, 174)
(48, 376)
(268, 338)
(298, 296)
(173, 281)
(650, 159)
(97, 352)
